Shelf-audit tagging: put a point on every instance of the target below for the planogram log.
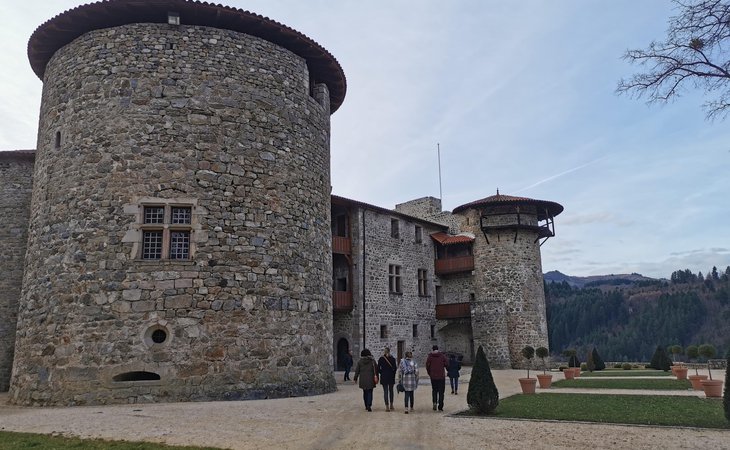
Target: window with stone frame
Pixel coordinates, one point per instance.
(419, 234)
(422, 282)
(383, 331)
(166, 231)
(394, 279)
(415, 330)
(394, 228)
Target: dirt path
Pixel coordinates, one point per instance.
(339, 420)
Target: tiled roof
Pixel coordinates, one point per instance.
(544, 208)
(337, 200)
(67, 26)
(450, 239)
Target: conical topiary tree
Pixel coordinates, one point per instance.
(573, 360)
(482, 396)
(597, 360)
(660, 360)
(590, 363)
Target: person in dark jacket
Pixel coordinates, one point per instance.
(387, 367)
(348, 365)
(452, 370)
(366, 371)
(436, 368)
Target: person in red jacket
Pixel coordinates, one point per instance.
(436, 368)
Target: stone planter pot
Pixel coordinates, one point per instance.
(568, 373)
(674, 370)
(576, 372)
(546, 380)
(696, 381)
(528, 385)
(680, 373)
(713, 388)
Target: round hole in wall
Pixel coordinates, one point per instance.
(159, 336)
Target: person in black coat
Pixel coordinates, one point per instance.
(387, 368)
(452, 370)
(348, 365)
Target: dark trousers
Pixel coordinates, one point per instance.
(409, 396)
(347, 373)
(454, 384)
(437, 392)
(388, 394)
(367, 397)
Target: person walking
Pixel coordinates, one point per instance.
(387, 367)
(436, 368)
(348, 365)
(408, 377)
(453, 372)
(367, 373)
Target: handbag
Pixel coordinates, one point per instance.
(400, 387)
(375, 371)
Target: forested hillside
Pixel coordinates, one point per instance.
(625, 319)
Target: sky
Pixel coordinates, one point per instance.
(519, 96)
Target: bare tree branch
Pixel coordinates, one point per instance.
(696, 51)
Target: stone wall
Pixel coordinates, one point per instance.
(224, 123)
(16, 184)
(508, 312)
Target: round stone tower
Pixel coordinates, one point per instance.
(508, 308)
(179, 238)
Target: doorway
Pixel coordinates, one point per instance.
(401, 350)
(343, 347)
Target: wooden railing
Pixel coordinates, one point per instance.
(453, 311)
(342, 301)
(457, 264)
(341, 244)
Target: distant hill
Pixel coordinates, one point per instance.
(627, 315)
(555, 276)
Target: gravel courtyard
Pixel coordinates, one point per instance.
(339, 420)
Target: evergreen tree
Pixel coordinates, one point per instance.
(660, 360)
(590, 364)
(597, 360)
(482, 396)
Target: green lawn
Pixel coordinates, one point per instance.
(628, 383)
(620, 409)
(627, 373)
(12, 441)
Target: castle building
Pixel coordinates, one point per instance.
(173, 236)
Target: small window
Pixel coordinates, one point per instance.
(433, 331)
(166, 232)
(394, 279)
(394, 228)
(57, 143)
(472, 297)
(415, 330)
(438, 295)
(383, 331)
(419, 234)
(422, 282)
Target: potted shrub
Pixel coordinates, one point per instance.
(693, 353)
(678, 369)
(569, 373)
(713, 388)
(528, 384)
(546, 379)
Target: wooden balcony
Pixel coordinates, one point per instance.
(453, 311)
(342, 245)
(445, 266)
(342, 301)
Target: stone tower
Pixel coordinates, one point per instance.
(508, 305)
(179, 236)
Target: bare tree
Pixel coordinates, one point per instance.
(696, 51)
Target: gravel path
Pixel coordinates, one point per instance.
(338, 420)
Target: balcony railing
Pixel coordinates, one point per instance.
(453, 311)
(342, 301)
(456, 264)
(341, 244)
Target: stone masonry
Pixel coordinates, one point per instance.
(16, 173)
